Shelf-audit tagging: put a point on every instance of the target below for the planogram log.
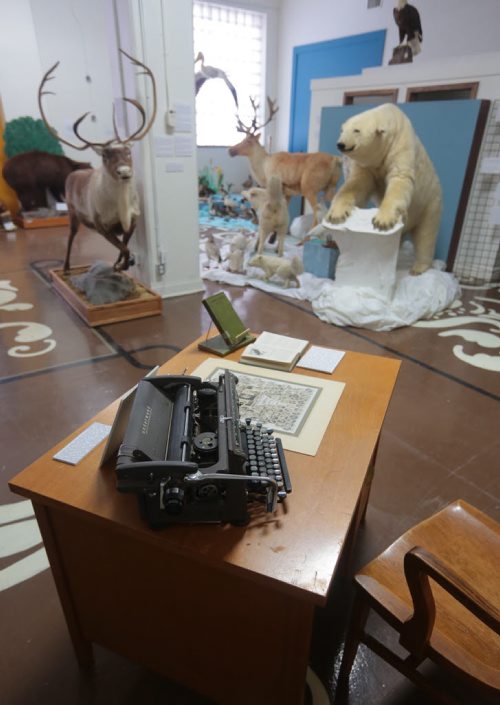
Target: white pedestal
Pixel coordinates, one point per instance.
(368, 257)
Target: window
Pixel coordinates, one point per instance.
(376, 97)
(452, 91)
(232, 40)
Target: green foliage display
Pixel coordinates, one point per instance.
(24, 133)
(210, 180)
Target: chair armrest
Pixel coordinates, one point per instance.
(419, 566)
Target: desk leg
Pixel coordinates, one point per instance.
(367, 485)
(81, 645)
(358, 518)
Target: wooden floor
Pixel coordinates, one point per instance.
(440, 442)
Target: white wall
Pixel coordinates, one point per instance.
(451, 28)
(35, 36)
(161, 35)
(20, 68)
(236, 169)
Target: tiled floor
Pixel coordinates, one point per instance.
(440, 442)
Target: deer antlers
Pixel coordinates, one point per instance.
(142, 130)
(253, 128)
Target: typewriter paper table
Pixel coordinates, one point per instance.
(225, 610)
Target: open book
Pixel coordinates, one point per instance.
(279, 352)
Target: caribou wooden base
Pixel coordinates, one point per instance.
(26, 221)
(143, 303)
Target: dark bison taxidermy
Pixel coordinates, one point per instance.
(32, 174)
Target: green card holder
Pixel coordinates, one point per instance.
(233, 333)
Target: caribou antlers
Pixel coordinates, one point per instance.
(104, 198)
(99, 146)
(253, 128)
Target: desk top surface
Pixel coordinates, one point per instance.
(299, 546)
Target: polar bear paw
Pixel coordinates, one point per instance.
(419, 268)
(385, 220)
(338, 213)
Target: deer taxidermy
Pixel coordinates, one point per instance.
(301, 173)
(104, 199)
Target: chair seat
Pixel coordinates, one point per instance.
(468, 542)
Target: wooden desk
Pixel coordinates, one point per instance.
(225, 610)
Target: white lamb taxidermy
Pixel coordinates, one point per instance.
(238, 243)
(236, 261)
(236, 256)
(286, 269)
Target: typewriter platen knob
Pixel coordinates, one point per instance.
(173, 500)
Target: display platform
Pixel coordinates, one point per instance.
(144, 303)
(27, 222)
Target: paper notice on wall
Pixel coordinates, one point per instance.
(183, 146)
(183, 117)
(174, 167)
(164, 146)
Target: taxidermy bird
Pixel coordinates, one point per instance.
(407, 19)
(205, 73)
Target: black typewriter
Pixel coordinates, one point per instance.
(189, 458)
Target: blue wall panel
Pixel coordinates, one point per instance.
(445, 128)
(337, 57)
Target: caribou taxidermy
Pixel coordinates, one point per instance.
(302, 174)
(104, 199)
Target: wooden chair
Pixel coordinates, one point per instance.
(438, 586)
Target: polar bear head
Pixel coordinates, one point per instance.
(366, 137)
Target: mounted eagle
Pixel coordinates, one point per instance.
(407, 19)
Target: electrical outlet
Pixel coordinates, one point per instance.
(161, 267)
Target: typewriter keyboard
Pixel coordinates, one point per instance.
(265, 456)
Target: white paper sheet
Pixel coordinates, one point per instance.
(86, 441)
(320, 359)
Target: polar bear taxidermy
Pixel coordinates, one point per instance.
(387, 163)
